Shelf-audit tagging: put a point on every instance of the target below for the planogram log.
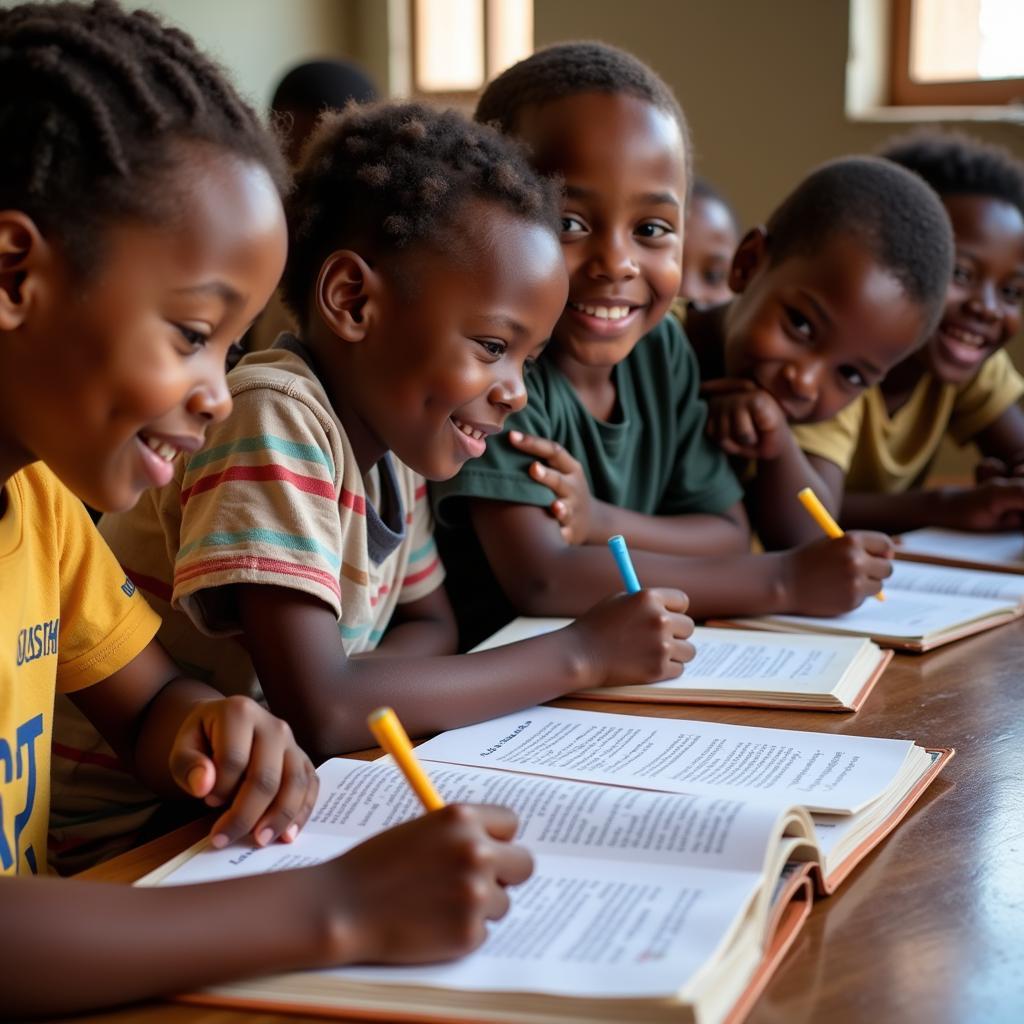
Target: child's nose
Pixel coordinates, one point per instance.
(211, 398)
(805, 378)
(509, 393)
(984, 300)
(612, 258)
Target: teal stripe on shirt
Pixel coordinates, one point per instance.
(423, 552)
(262, 442)
(292, 541)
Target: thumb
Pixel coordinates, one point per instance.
(190, 765)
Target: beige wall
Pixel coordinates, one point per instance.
(762, 82)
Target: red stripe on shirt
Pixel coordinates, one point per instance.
(277, 565)
(88, 757)
(422, 574)
(420, 492)
(309, 484)
(356, 502)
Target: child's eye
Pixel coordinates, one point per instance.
(799, 322)
(1014, 293)
(714, 277)
(495, 349)
(195, 338)
(961, 274)
(652, 229)
(853, 376)
(572, 225)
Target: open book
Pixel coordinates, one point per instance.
(1002, 551)
(752, 669)
(674, 864)
(925, 606)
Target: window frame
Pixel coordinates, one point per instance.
(905, 92)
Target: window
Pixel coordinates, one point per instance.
(459, 45)
(957, 52)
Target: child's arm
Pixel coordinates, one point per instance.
(542, 575)
(116, 944)
(182, 737)
(294, 642)
(1003, 440)
(584, 519)
(419, 629)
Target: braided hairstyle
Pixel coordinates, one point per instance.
(567, 69)
(95, 103)
(386, 177)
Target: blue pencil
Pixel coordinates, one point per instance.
(624, 562)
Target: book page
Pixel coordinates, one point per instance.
(994, 548)
(904, 614)
(360, 798)
(730, 659)
(583, 924)
(941, 579)
(825, 772)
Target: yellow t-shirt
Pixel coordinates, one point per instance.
(68, 618)
(885, 454)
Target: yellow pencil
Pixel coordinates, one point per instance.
(821, 516)
(388, 732)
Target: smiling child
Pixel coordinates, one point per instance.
(877, 454)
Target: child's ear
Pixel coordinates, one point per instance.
(749, 256)
(20, 245)
(347, 291)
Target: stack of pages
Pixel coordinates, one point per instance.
(1003, 551)
(675, 862)
(746, 668)
(925, 606)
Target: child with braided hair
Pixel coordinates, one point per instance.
(425, 272)
(141, 230)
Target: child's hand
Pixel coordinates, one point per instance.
(233, 750)
(637, 638)
(573, 505)
(423, 891)
(829, 577)
(744, 419)
(996, 504)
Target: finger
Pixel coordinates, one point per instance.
(743, 429)
(287, 806)
(542, 447)
(190, 761)
(673, 600)
(726, 386)
(765, 412)
(260, 786)
(684, 652)
(498, 822)
(878, 544)
(560, 510)
(513, 864)
(681, 626)
(551, 479)
(231, 734)
(878, 568)
(312, 789)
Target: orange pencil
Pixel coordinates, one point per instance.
(388, 732)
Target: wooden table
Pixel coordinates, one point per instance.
(931, 926)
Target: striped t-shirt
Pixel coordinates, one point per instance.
(275, 497)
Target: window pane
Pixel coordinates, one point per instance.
(509, 33)
(449, 45)
(966, 40)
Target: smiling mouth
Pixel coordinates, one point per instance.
(965, 336)
(159, 447)
(603, 312)
(477, 435)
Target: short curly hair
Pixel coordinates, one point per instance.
(956, 164)
(567, 69)
(893, 212)
(388, 176)
(94, 105)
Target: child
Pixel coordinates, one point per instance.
(425, 271)
(847, 279)
(117, 315)
(961, 382)
(711, 236)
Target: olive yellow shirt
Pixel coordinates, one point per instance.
(885, 454)
(69, 617)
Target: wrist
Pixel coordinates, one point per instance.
(782, 584)
(325, 895)
(582, 667)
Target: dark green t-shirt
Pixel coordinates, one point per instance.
(652, 457)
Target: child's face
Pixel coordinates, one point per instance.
(443, 366)
(983, 303)
(624, 168)
(815, 331)
(114, 376)
(707, 253)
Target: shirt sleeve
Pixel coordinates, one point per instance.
(701, 480)
(424, 572)
(835, 439)
(259, 504)
(982, 400)
(104, 621)
(502, 472)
